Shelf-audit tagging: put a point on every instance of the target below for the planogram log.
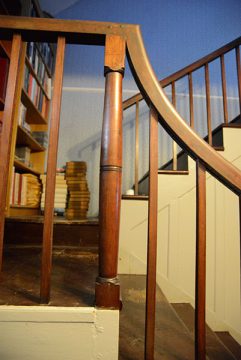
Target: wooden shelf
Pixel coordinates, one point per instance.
(58, 220)
(34, 114)
(21, 166)
(24, 138)
(20, 211)
(31, 69)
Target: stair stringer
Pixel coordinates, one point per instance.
(176, 241)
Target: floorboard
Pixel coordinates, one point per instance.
(173, 341)
(72, 283)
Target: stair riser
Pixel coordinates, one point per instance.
(76, 235)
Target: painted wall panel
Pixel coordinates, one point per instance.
(176, 240)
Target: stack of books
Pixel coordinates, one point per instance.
(22, 153)
(25, 190)
(22, 118)
(34, 92)
(60, 193)
(79, 195)
(35, 54)
(41, 137)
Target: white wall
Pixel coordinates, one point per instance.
(176, 241)
(55, 333)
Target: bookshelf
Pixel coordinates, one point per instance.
(32, 103)
(5, 51)
(24, 168)
(7, 7)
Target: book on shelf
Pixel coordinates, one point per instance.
(41, 137)
(25, 190)
(4, 65)
(22, 118)
(35, 92)
(39, 67)
(60, 193)
(23, 154)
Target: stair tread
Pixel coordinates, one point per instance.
(135, 197)
(173, 172)
(216, 349)
(39, 219)
(230, 343)
(172, 340)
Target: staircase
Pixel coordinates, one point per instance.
(177, 263)
(174, 327)
(176, 208)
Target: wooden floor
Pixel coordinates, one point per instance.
(173, 340)
(73, 277)
(73, 282)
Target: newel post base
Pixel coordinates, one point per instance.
(107, 288)
(107, 293)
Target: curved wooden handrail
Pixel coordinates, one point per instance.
(187, 70)
(93, 32)
(197, 148)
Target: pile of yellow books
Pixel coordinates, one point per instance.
(78, 192)
(60, 196)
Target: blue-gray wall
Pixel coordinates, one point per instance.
(175, 32)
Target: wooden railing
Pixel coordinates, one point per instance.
(188, 73)
(115, 37)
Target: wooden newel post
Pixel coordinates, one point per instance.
(107, 292)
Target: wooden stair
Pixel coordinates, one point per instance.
(174, 327)
(182, 157)
(67, 233)
(219, 346)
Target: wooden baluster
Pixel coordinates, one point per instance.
(107, 292)
(200, 293)
(174, 144)
(137, 149)
(191, 100)
(208, 104)
(6, 135)
(239, 75)
(51, 174)
(224, 89)
(152, 238)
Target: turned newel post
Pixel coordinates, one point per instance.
(107, 285)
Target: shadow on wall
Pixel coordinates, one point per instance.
(80, 138)
(80, 133)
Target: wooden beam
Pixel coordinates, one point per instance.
(191, 110)
(6, 135)
(137, 149)
(51, 174)
(200, 286)
(152, 238)
(238, 62)
(208, 105)
(224, 89)
(174, 144)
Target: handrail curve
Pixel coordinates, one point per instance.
(93, 32)
(188, 139)
(186, 70)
